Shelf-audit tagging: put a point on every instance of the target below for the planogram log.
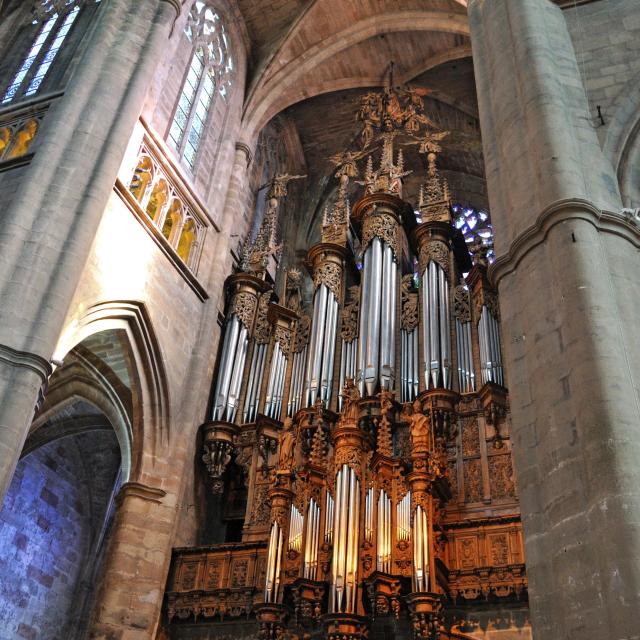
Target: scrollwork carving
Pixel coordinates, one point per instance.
(282, 335)
(462, 303)
(409, 319)
(330, 275)
(243, 305)
(437, 251)
(383, 226)
(301, 338)
(262, 329)
(349, 329)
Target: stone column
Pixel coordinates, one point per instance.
(569, 311)
(135, 567)
(51, 221)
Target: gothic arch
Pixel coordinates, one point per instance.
(150, 406)
(622, 143)
(85, 378)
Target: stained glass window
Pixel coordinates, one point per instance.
(57, 18)
(209, 75)
(475, 225)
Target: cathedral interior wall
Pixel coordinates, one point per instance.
(50, 528)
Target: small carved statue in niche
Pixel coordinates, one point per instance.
(350, 412)
(420, 429)
(286, 445)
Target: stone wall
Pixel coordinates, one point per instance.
(49, 529)
(606, 39)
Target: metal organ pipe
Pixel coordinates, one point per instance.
(232, 360)
(319, 378)
(466, 373)
(376, 347)
(348, 365)
(274, 559)
(344, 564)
(410, 369)
(311, 540)
(436, 327)
(275, 386)
(403, 518)
(297, 382)
(384, 533)
(420, 550)
(489, 338)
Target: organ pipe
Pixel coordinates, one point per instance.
(403, 518)
(436, 327)
(311, 540)
(348, 364)
(489, 339)
(383, 553)
(234, 351)
(328, 519)
(344, 566)
(275, 385)
(296, 524)
(274, 559)
(410, 374)
(297, 382)
(420, 550)
(466, 372)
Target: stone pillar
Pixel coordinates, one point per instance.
(51, 221)
(569, 311)
(135, 566)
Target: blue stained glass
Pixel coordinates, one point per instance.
(52, 52)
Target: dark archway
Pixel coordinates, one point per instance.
(53, 528)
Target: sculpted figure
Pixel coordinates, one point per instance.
(286, 445)
(350, 396)
(420, 428)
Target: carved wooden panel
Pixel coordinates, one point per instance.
(472, 480)
(501, 477)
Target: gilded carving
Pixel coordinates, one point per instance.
(301, 338)
(239, 573)
(486, 298)
(349, 329)
(286, 446)
(499, 550)
(262, 329)
(470, 436)
(501, 477)
(243, 305)
(462, 303)
(282, 335)
(409, 319)
(468, 553)
(473, 481)
(330, 275)
(383, 226)
(214, 572)
(261, 506)
(437, 251)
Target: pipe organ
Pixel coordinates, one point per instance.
(366, 388)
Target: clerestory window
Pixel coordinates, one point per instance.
(55, 19)
(209, 76)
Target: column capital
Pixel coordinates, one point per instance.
(246, 149)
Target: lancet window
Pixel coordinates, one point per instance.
(209, 76)
(54, 19)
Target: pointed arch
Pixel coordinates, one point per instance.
(150, 408)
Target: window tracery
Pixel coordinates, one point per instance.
(210, 73)
(56, 18)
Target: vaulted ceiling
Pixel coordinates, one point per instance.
(312, 60)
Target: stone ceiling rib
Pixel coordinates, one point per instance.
(271, 94)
